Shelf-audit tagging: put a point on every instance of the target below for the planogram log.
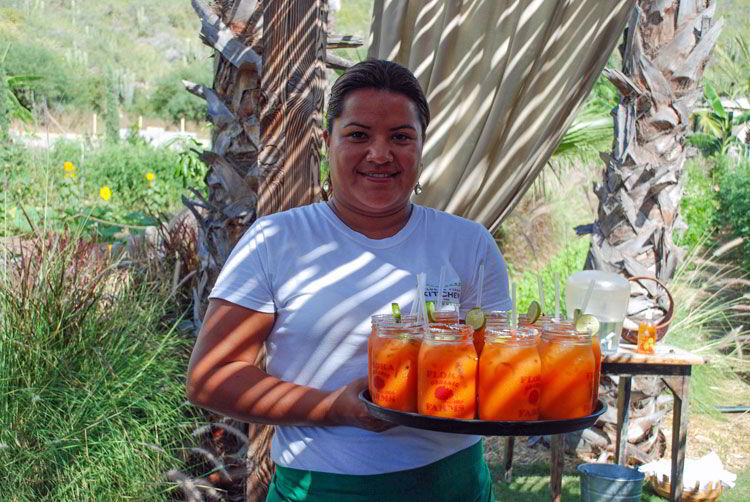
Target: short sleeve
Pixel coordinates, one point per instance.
(245, 278)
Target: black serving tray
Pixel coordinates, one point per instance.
(482, 427)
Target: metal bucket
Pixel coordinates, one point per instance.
(610, 483)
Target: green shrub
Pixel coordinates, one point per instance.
(734, 197)
(38, 185)
(700, 203)
(122, 167)
(61, 82)
(569, 260)
(171, 100)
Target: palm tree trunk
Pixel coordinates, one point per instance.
(666, 48)
(266, 108)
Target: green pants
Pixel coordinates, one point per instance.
(461, 477)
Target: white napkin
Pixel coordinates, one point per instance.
(703, 471)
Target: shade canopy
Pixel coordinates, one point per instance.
(504, 80)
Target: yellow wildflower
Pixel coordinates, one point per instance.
(150, 176)
(105, 193)
(70, 170)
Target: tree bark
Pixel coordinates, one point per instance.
(266, 108)
(665, 50)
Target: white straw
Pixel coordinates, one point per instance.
(513, 317)
(441, 284)
(481, 285)
(540, 285)
(421, 286)
(557, 297)
(587, 298)
(415, 304)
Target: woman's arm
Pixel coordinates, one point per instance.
(222, 377)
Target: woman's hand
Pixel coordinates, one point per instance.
(347, 409)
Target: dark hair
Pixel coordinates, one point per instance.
(381, 75)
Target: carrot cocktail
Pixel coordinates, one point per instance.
(379, 319)
(395, 350)
(509, 375)
(447, 372)
(597, 370)
(567, 359)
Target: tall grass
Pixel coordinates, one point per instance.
(708, 322)
(92, 400)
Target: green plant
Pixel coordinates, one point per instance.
(171, 100)
(10, 106)
(592, 129)
(140, 178)
(733, 66)
(92, 400)
(190, 169)
(111, 113)
(699, 205)
(734, 198)
(570, 259)
(717, 124)
(706, 321)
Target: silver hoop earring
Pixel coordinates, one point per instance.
(417, 189)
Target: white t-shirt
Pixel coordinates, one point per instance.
(324, 281)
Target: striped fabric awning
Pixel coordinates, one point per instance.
(504, 79)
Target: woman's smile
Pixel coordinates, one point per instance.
(374, 151)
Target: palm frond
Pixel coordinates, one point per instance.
(590, 135)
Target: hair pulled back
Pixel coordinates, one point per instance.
(378, 74)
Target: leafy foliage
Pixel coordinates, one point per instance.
(733, 66)
(10, 106)
(140, 178)
(570, 259)
(734, 197)
(170, 99)
(190, 168)
(699, 205)
(592, 129)
(717, 124)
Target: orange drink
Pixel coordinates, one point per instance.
(646, 337)
(509, 375)
(567, 373)
(375, 320)
(447, 370)
(597, 370)
(395, 350)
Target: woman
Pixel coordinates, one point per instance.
(306, 281)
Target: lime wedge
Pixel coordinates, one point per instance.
(533, 312)
(396, 311)
(587, 323)
(429, 307)
(475, 318)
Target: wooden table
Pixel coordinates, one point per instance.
(674, 366)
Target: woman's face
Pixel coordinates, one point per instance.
(374, 151)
